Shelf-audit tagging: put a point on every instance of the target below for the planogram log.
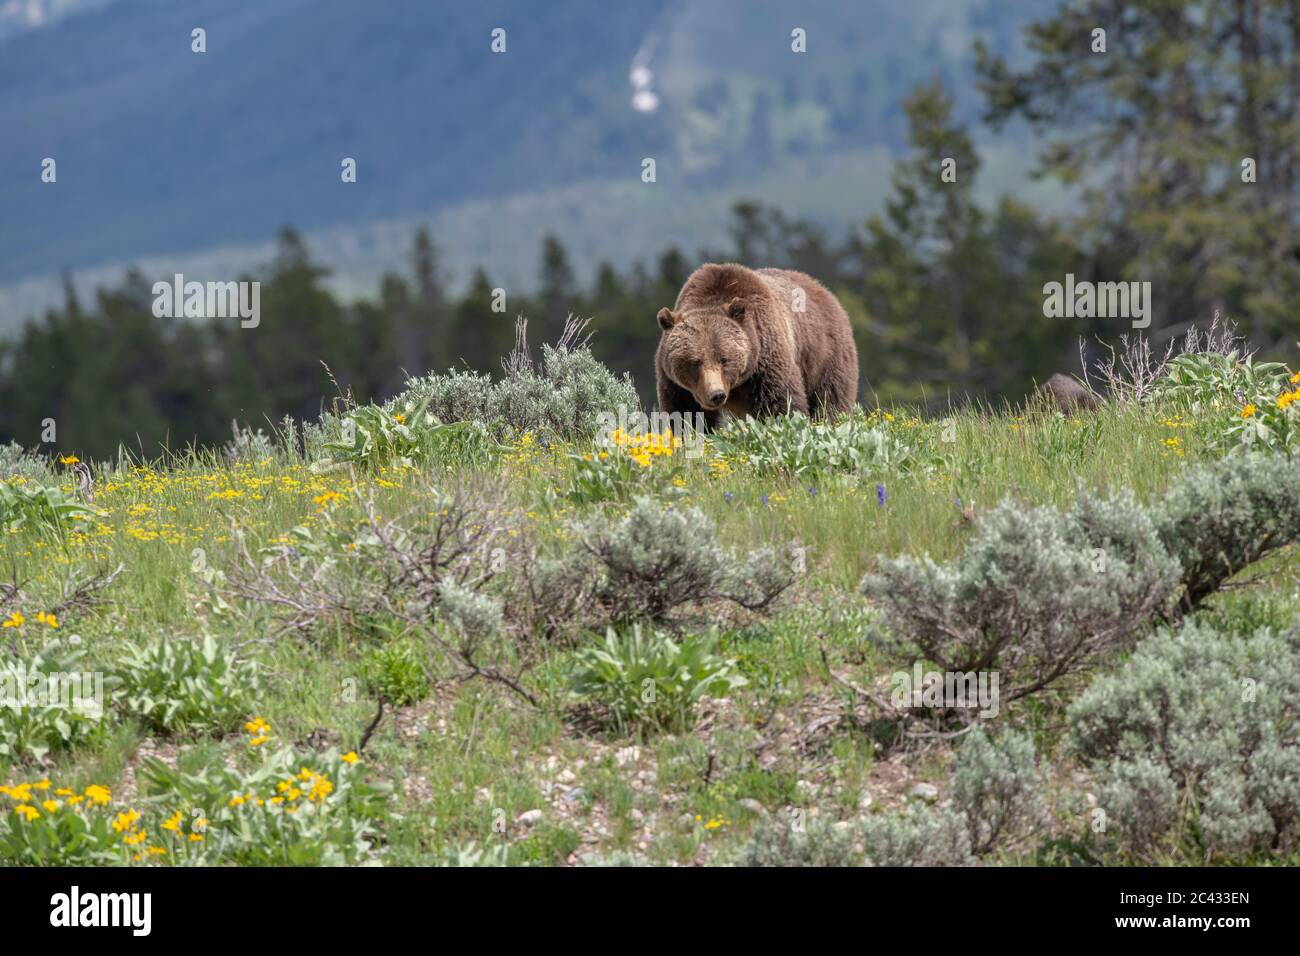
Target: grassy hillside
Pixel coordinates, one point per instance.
(377, 638)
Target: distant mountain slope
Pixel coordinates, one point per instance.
(167, 155)
(162, 149)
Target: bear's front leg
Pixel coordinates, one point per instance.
(771, 397)
(676, 400)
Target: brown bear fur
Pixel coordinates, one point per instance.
(1067, 394)
(734, 342)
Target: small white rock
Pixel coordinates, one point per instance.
(529, 817)
(926, 791)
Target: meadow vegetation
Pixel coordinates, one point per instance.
(468, 627)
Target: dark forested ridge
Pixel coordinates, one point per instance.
(110, 371)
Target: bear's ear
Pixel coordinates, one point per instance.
(666, 318)
(736, 309)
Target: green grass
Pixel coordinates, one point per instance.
(469, 759)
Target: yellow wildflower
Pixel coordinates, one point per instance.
(257, 725)
(21, 793)
(321, 789)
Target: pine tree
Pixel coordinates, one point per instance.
(558, 285)
(952, 302)
(1154, 132)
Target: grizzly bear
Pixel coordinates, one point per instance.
(755, 342)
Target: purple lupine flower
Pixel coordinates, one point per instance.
(763, 500)
(880, 493)
(727, 496)
(812, 492)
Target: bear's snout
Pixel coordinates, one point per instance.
(712, 390)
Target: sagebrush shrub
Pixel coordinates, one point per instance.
(1198, 737)
(918, 837)
(818, 843)
(655, 559)
(16, 462)
(615, 858)
(458, 395)
(1036, 594)
(477, 616)
(1219, 518)
(660, 557)
(996, 786)
(1139, 801)
(995, 797)
(562, 397)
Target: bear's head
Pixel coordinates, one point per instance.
(707, 350)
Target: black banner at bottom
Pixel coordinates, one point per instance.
(344, 906)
